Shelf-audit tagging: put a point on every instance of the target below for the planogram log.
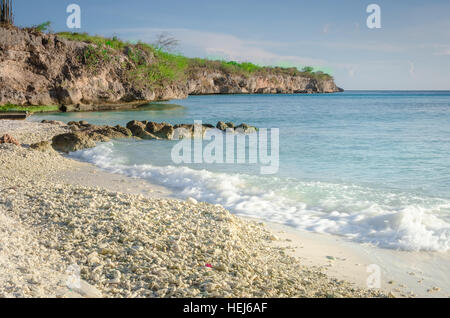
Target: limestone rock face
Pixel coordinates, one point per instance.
(44, 69)
(216, 82)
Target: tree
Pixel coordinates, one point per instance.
(166, 42)
(6, 15)
(308, 69)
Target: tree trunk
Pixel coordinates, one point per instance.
(6, 15)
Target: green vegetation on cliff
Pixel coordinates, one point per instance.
(156, 68)
(152, 67)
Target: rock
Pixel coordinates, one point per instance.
(188, 130)
(70, 142)
(108, 132)
(224, 126)
(100, 133)
(246, 129)
(188, 127)
(137, 128)
(134, 126)
(161, 130)
(44, 146)
(221, 126)
(183, 131)
(153, 127)
(53, 122)
(125, 131)
(82, 86)
(7, 139)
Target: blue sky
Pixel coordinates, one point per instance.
(410, 51)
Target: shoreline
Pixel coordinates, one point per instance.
(403, 273)
(71, 175)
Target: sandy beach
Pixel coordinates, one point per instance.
(129, 238)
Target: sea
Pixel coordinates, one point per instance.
(370, 166)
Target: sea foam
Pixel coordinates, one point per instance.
(387, 219)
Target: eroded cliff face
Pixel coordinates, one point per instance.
(216, 82)
(44, 69)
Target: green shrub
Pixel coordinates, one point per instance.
(164, 69)
(94, 56)
(113, 43)
(31, 109)
(44, 27)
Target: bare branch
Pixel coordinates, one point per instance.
(166, 42)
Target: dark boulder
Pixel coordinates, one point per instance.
(161, 130)
(221, 126)
(73, 141)
(125, 131)
(246, 129)
(137, 128)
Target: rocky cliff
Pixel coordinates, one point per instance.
(47, 69)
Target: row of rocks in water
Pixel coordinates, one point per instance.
(152, 130)
(84, 135)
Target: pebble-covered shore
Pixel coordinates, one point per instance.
(129, 245)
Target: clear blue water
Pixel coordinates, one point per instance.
(371, 166)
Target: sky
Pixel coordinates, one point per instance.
(411, 50)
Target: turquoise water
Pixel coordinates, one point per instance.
(371, 166)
